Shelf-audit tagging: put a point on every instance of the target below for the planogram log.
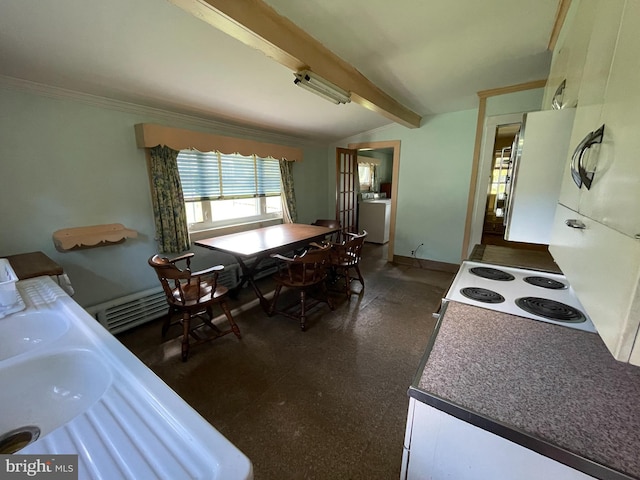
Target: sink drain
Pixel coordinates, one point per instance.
(17, 439)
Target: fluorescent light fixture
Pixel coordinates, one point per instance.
(327, 90)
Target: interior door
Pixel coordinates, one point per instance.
(347, 188)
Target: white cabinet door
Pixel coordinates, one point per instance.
(603, 267)
(557, 74)
(600, 51)
(604, 24)
(614, 198)
(444, 447)
(602, 261)
(572, 53)
(537, 175)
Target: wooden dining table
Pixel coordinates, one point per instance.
(252, 247)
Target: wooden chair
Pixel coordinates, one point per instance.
(192, 294)
(345, 257)
(306, 273)
(330, 223)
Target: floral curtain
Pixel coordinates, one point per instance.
(172, 231)
(289, 211)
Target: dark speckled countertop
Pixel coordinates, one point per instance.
(550, 388)
(539, 259)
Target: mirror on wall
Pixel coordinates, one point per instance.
(375, 169)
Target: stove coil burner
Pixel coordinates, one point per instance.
(550, 309)
(492, 274)
(482, 295)
(545, 282)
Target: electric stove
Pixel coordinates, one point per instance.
(542, 296)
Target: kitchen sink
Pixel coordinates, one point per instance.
(44, 392)
(68, 385)
(23, 332)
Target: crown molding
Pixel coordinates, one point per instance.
(221, 126)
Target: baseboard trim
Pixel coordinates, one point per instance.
(426, 264)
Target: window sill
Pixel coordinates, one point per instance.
(243, 227)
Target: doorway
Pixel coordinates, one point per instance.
(494, 226)
(488, 219)
(482, 199)
(392, 150)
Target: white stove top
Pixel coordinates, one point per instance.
(507, 294)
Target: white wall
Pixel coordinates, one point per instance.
(68, 163)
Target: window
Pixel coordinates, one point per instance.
(221, 190)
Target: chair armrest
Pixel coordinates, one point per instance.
(207, 271)
(282, 258)
(186, 256)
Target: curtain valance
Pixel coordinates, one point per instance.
(150, 135)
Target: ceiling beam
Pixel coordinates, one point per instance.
(257, 25)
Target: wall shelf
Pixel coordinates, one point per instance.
(92, 236)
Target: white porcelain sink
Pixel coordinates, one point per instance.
(48, 391)
(22, 332)
(68, 385)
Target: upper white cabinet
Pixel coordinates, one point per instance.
(600, 252)
(603, 20)
(614, 197)
(569, 58)
(537, 174)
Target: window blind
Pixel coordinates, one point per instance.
(216, 176)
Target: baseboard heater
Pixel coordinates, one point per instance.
(126, 312)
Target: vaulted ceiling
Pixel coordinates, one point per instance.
(233, 60)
